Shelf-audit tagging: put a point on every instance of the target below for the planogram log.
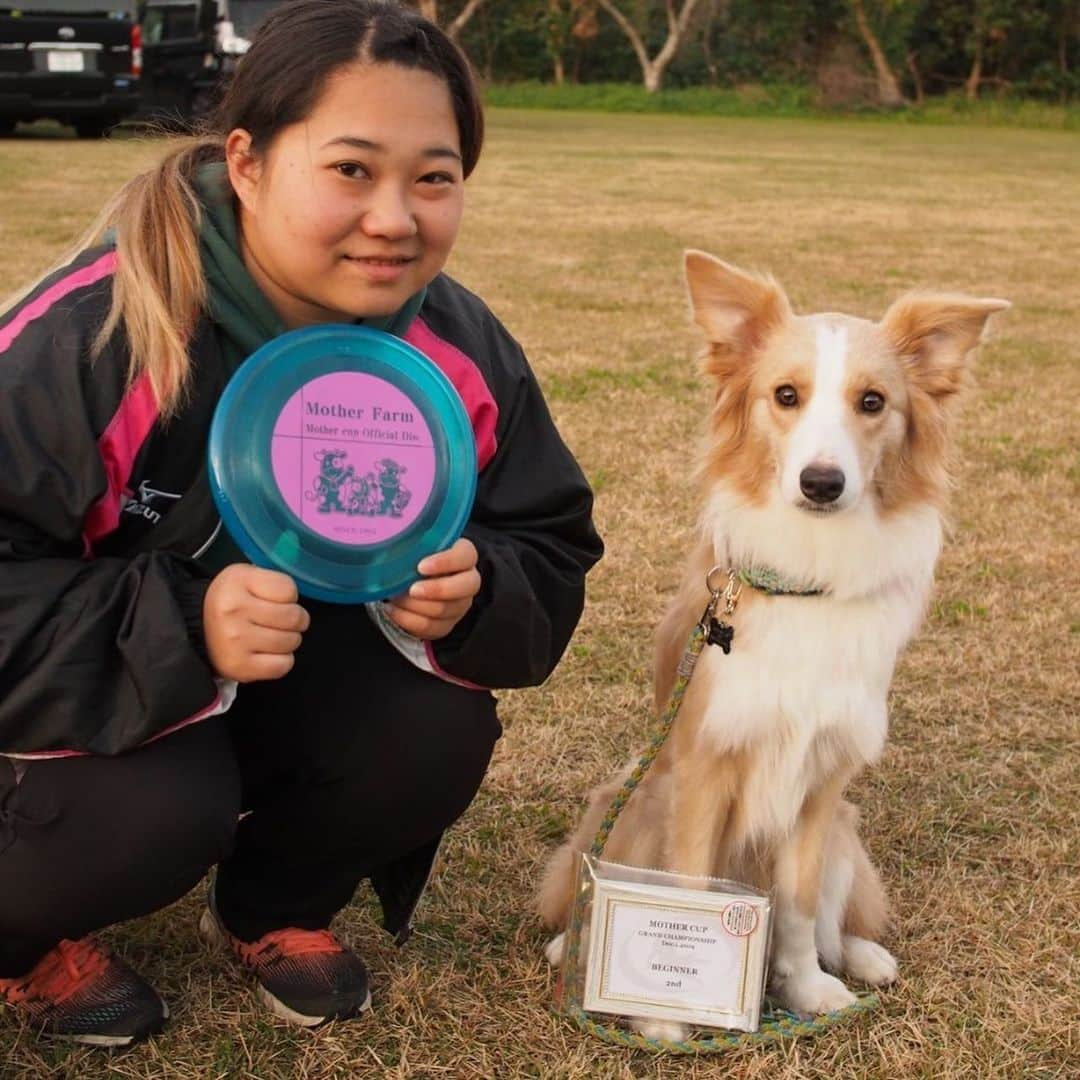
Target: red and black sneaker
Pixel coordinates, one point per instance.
(305, 976)
(82, 993)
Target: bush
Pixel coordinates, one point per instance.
(764, 99)
(753, 99)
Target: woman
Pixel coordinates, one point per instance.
(153, 684)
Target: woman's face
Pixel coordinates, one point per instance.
(354, 209)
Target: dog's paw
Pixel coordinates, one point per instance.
(668, 1030)
(813, 993)
(555, 949)
(869, 962)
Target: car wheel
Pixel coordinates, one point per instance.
(93, 127)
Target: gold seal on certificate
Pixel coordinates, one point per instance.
(695, 954)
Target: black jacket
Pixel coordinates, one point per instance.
(104, 507)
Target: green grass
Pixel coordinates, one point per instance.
(574, 235)
(777, 100)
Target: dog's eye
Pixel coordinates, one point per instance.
(871, 402)
(787, 397)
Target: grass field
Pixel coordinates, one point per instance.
(574, 234)
(779, 99)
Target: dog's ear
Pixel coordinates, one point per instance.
(735, 309)
(935, 332)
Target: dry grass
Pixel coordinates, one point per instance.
(574, 237)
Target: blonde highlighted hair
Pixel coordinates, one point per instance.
(159, 289)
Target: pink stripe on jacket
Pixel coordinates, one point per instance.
(119, 444)
(469, 383)
(37, 307)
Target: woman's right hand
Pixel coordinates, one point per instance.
(252, 623)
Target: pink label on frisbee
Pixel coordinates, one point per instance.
(353, 458)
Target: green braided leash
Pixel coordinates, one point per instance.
(694, 645)
(776, 1023)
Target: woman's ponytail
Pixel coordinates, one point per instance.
(159, 290)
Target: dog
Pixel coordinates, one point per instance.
(825, 469)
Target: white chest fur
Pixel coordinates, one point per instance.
(804, 688)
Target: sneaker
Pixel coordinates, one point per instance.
(82, 993)
(305, 976)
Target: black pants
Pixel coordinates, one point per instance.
(353, 760)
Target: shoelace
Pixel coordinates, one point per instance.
(61, 972)
(293, 941)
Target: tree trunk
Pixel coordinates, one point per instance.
(916, 77)
(555, 34)
(467, 12)
(888, 88)
(1070, 20)
(652, 70)
(706, 45)
(971, 83)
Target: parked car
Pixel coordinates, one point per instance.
(76, 61)
(189, 50)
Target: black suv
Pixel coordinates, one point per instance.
(76, 61)
(190, 49)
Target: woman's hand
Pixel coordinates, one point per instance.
(252, 623)
(435, 605)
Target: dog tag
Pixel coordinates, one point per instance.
(720, 633)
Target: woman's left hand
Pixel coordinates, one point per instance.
(434, 605)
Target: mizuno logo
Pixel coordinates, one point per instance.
(148, 494)
(142, 507)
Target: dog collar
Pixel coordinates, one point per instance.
(719, 631)
(773, 583)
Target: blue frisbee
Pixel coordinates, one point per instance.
(342, 456)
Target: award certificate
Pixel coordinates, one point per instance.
(677, 953)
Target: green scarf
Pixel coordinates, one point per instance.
(243, 315)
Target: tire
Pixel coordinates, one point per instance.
(92, 127)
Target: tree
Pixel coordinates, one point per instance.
(430, 10)
(888, 86)
(997, 28)
(558, 21)
(978, 39)
(989, 24)
(562, 23)
(652, 70)
(711, 12)
(1068, 29)
(459, 22)
(557, 30)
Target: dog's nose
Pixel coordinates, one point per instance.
(821, 484)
